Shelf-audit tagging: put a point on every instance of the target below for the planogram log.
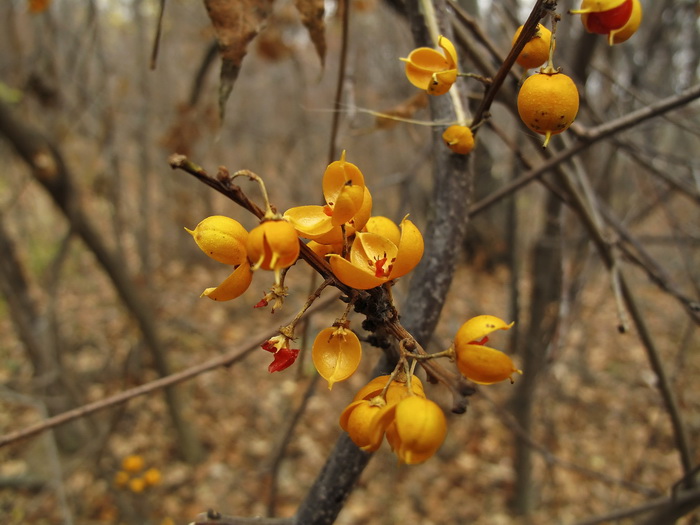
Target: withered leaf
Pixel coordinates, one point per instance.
(236, 22)
(312, 12)
(38, 6)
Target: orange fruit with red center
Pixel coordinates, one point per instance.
(604, 16)
(625, 32)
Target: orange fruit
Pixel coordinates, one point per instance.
(604, 17)
(132, 463)
(336, 354)
(536, 51)
(548, 103)
(273, 245)
(459, 139)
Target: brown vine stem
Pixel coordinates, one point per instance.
(475, 27)
(224, 185)
(225, 360)
(156, 37)
(541, 8)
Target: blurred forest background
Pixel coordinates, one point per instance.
(100, 283)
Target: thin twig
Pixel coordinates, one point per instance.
(509, 421)
(665, 505)
(225, 360)
(607, 255)
(156, 38)
(212, 517)
(637, 254)
(588, 137)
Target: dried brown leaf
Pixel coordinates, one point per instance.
(38, 6)
(236, 22)
(312, 12)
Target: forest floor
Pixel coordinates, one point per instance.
(603, 435)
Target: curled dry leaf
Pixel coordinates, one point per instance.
(312, 12)
(235, 24)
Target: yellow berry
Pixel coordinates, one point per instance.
(273, 245)
(384, 227)
(233, 286)
(336, 354)
(485, 365)
(221, 238)
(358, 420)
(431, 70)
(478, 362)
(459, 139)
(152, 476)
(418, 429)
(137, 485)
(536, 51)
(548, 103)
(132, 463)
(397, 390)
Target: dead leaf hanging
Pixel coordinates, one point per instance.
(236, 23)
(312, 12)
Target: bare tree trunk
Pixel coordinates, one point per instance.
(544, 317)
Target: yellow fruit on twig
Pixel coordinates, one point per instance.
(536, 51)
(548, 103)
(459, 139)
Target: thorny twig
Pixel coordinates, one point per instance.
(225, 360)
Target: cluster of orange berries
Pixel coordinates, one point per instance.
(132, 475)
(396, 406)
(548, 101)
(363, 251)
